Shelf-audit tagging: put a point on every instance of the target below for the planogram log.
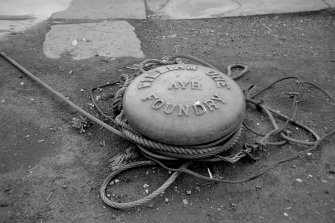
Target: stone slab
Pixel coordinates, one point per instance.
(194, 9)
(103, 9)
(330, 3)
(82, 41)
(40, 9)
(18, 15)
(9, 26)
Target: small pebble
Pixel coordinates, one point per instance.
(233, 206)
(97, 97)
(145, 185)
(285, 214)
(108, 195)
(310, 175)
(74, 42)
(4, 204)
(82, 90)
(166, 200)
(22, 83)
(299, 180)
(324, 181)
(116, 180)
(146, 191)
(188, 192)
(309, 154)
(185, 202)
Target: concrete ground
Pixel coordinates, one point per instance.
(52, 173)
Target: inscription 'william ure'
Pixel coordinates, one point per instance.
(219, 80)
(150, 77)
(198, 107)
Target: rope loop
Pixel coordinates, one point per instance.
(231, 67)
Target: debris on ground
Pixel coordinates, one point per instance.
(233, 206)
(299, 180)
(49, 196)
(324, 181)
(81, 123)
(102, 143)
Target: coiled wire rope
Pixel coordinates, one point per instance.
(157, 152)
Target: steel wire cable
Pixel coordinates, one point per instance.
(147, 146)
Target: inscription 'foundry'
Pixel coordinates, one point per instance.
(150, 77)
(198, 107)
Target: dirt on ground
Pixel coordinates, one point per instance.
(52, 173)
